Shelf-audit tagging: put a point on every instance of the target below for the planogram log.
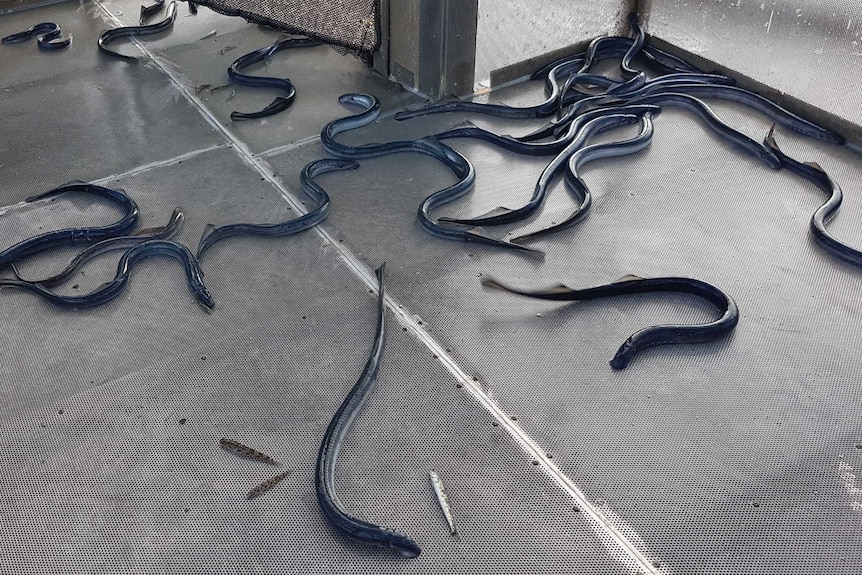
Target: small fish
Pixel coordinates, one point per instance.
(443, 499)
(267, 485)
(227, 49)
(201, 88)
(244, 451)
(208, 35)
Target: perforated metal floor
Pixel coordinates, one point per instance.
(733, 457)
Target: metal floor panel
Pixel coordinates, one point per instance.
(735, 457)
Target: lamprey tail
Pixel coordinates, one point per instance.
(653, 335)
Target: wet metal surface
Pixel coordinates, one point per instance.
(734, 457)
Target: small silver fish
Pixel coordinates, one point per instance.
(245, 451)
(443, 499)
(267, 485)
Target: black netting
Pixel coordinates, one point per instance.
(350, 24)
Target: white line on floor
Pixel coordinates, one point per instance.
(161, 163)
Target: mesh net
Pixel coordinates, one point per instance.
(353, 25)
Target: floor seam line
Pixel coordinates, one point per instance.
(162, 163)
(135, 171)
(274, 151)
(602, 527)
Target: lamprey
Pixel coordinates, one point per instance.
(616, 47)
(47, 36)
(636, 47)
(110, 290)
(213, 234)
(579, 107)
(327, 458)
(75, 236)
(757, 102)
(111, 35)
(541, 148)
(503, 215)
(280, 103)
(109, 245)
(147, 11)
(430, 146)
(591, 57)
(577, 185)
(545, 108)
(714, 123)
(817, 176)
(654, 335)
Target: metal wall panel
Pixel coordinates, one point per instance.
(810, 50)
(512, 32)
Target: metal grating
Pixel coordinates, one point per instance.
(672, 454)
(351, 24)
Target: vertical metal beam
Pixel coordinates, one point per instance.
(432, 45)
(380, 58)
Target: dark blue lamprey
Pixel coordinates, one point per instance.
(546, 108)
(111, 35)
(714, 123)
(279, 104)
(110, 290)
(327, 458)
(577, 185)
(549, 148)
(47, 36)
(634, 78)
(577, 108)
(430, 146)
(654, 335)
(109, 245)
(152, 9)
(812, 172)
(503, 215)
(213, 234)
(763, 105)
(617, 47)
(75, 236)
